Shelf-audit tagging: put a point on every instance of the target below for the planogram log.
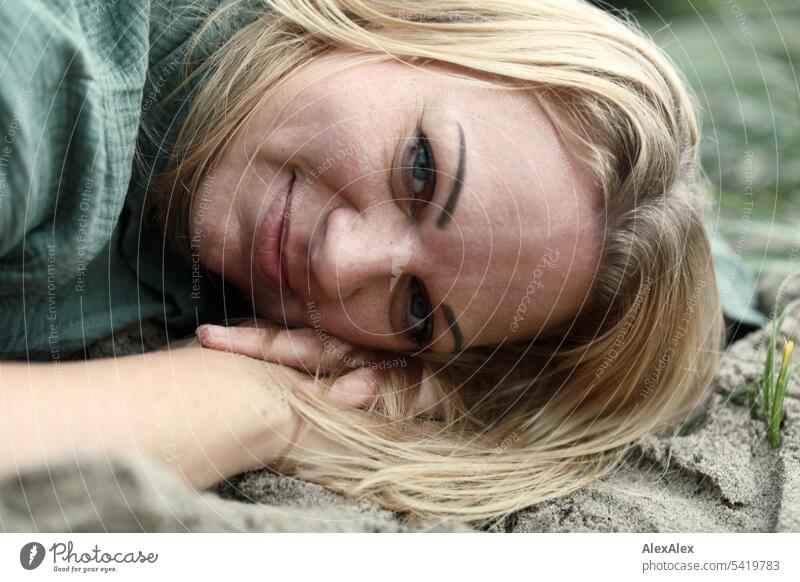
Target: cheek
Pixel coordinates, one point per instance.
(348, 151)
(351, 169)
(361, 320)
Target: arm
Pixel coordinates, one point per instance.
(210, 414)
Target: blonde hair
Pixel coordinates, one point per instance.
(522, 422)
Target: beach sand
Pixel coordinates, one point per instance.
(721, 477)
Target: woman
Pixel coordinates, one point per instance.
(480, 228)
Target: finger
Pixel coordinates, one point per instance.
(245, 340)
(332, 350)
(301, 349)
(427, 403)
(268, 343)
(355, 389)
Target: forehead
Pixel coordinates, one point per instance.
(515, 155)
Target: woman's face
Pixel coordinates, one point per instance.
(400, 207)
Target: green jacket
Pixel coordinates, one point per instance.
(76, 79)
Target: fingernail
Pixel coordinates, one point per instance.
(211, 335)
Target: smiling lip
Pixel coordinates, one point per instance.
(272, 236)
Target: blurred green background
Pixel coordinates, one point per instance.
(742, 59)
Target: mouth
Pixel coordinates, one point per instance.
(272, 237)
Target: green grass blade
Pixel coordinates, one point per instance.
(768, 388)
(768, 380)
(776, 415)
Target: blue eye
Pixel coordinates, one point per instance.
(419, 323)
(422, 172)
(422, 168)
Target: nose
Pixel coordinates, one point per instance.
(359, 248)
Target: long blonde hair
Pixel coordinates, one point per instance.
(521, 422)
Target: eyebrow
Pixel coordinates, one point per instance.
(452, 325)
(452, 199)
(441, 222)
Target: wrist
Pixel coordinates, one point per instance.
(238, 414)
(270, 426)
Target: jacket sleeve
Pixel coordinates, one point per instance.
(71, 78)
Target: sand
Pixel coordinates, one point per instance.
(721, 477)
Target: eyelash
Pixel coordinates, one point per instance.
(421, 337)
(423, 193)
(420, 331)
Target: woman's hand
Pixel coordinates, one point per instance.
(305, 350)
(309, 350)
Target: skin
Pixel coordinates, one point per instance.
(207, 414)
(517, 239)
(519, 229)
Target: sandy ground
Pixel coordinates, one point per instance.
(721, 477)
